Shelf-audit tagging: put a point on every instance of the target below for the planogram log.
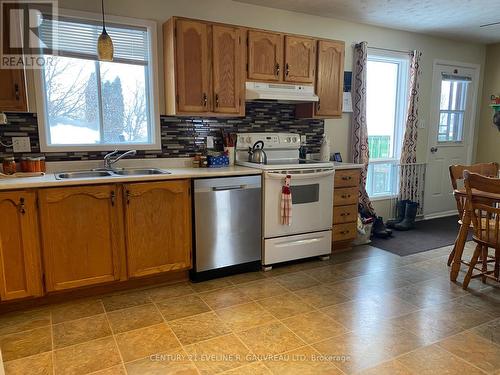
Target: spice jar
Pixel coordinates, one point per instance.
(9, 165)
(33, 164)
(43, 167)
(24, 164)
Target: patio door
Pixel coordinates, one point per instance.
(451, 129)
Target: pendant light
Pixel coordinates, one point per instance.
(104, 43)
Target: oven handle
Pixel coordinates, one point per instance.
(278, 176)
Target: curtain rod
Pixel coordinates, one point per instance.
(391, 50)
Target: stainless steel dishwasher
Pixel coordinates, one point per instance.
(227, 223)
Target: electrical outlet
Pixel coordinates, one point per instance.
(21, 144)
(303, 139)
(210, 142)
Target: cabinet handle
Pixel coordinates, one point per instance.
(205, 99)
(216, 100)
(112, 198)
(346, 178)
(287, 69)
(127, 195)
(277, 68)
(21, 207)
(345, 214)
(345, 196)
(16, 89)
(344, 231)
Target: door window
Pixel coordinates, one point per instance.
(453, 101)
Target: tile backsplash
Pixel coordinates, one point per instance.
(182, 136)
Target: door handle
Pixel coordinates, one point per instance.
(434, 149)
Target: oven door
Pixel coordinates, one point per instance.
(312, 201)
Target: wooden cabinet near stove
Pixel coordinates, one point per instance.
(345, 208)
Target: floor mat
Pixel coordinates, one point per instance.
(427, 235)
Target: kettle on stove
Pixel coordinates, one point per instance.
(256, 154)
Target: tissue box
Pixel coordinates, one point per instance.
(217, 161)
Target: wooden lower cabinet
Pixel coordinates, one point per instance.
(82, 235)
(345, 208)
(20, 270)
(158, 227)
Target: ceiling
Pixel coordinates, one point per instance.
(456, 19)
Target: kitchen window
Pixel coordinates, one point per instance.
(387, 91)
(86, 104)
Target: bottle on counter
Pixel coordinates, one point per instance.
(325, 149)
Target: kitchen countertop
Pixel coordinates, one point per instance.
(49, 179)
(178, 168)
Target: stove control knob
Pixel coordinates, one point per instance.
(288, 139)
(294, 139)
(249, 139)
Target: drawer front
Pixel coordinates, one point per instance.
(345, 196)
(345, 214)
(343, 232)
(347, 178)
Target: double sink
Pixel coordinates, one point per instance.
(110, 173)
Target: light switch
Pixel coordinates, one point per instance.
(303, 139)
(21, 144)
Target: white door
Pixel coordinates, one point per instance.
(451, 129)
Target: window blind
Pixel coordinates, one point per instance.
(78, 38)
(454, 77)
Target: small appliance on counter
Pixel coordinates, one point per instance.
(227, 226)
(309, 233)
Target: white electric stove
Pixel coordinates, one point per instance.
(310, 233)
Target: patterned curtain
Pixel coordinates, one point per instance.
(359, 136)
(408, 180)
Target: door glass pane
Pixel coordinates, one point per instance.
(305, 193)
(452, 105)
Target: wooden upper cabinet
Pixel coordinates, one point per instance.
(300, 59)
(265, 56)
(13, 91)
(158, 227)
(330, 78)
(192, 66)
(82, 235)
(228, 84)
(20, 270)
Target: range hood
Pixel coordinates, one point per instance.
(280, 92)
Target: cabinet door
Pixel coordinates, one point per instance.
(265, 56)
(20, 272)
(192, 65)
(13, 92)
(330, 78)
(81, 235)
(300, 59)
(227, 69)
(158, 227)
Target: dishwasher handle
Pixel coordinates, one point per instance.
(232, 187)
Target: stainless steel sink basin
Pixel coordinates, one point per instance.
(139, 172)
(82, 174)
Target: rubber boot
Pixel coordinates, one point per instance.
(400, 213)
(410, 215)
(379, 230)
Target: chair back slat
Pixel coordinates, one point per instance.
(483, 199)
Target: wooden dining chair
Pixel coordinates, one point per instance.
(483, 203)
(457, 176)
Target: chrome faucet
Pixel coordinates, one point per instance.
(109, 162)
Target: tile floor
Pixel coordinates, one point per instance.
(366, 311)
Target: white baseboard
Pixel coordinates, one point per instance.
(437, 215)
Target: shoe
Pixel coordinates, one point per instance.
(400, 213)
(379, 230)
(410, 214)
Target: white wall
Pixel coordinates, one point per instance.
(273, 19)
